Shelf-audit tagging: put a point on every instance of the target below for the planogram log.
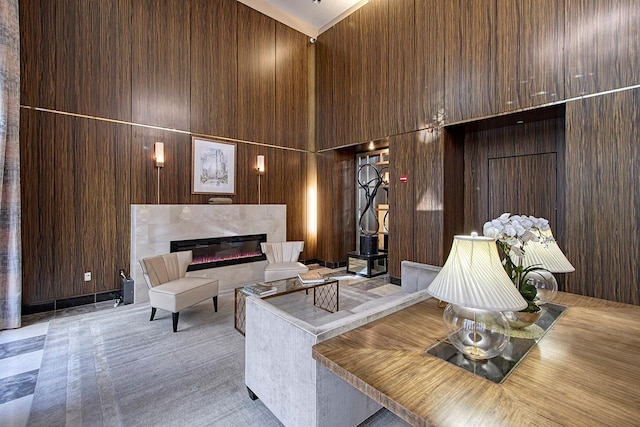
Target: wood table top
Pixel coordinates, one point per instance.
(582, 372)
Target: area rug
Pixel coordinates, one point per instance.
(115, 368)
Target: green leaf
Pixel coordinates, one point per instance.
(529, 292)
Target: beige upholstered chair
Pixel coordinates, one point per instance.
(170, 290)
(282, 258)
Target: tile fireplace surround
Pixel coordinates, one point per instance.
(154, 226)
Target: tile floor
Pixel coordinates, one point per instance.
(20, 358)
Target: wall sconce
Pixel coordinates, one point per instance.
(158, 156)
(260, 170)
(260, 164)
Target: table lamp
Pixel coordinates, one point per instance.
(477, 289)
(545, 253)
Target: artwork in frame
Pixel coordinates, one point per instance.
(214, 167)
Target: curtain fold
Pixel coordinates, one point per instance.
(10, 240)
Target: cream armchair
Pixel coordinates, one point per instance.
(170, 290)
(282, 258)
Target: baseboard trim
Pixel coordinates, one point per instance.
(63, 303)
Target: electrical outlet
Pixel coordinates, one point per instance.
(87, 276)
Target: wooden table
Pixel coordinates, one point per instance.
(584, 371)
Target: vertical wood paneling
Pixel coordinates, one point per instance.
(430, 35)
(175, 176)
(359, 60)
(530, 37)
(73, 203)
(284, 182)
(428, 200)
(290, 189)
(71, 40)
(37, 25)
(37, 203)
(336, 207)
(523, 185)
(331, 63)
(470, 60)
(401, 201)
(65, 208)
(80, 175)
(369, 75)
(159, 71)
(601, 47)
(429, 205)
(214, 68)
(292, 88)
(326, 52)
(454, 188)
(481, 146)
(603, 196)
(96, 148)
(404, 82)
(160, 52)
(256, 76)
(99, 41)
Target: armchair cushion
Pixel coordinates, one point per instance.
(282, 258)
(181, 293)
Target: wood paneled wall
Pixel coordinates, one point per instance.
(603, 197)
(470, 60)
(160, 52)
(464, 69)
(529, 41)
(292, 88)
(214, 70)
(394, 69)
(336, 194)
(516, 142)
(75, 204)
(196, 67)
(601, 49)
(500, 56)
(424, 212)
(64, 40)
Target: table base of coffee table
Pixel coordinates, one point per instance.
(325, 296)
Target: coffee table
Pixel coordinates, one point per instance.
(325, 296)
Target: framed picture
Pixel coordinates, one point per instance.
(214, 167)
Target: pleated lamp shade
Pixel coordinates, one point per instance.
(474, 277)
(546, 255)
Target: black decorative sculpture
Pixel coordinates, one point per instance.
(369, 237)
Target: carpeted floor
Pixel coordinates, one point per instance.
(115, 368)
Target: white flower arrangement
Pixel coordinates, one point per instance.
(512, 232)
(515, 230)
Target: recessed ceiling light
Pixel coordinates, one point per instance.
(315, 1)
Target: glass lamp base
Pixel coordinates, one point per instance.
(545, 284)
(477, 334)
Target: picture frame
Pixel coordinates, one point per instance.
(213, 165)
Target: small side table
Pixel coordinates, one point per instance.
(367, 265)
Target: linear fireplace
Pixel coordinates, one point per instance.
(219, 251)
